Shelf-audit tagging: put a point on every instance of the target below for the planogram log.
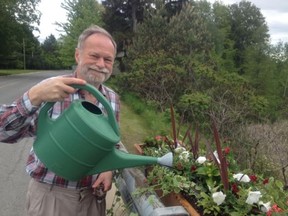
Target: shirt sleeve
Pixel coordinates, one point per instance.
(17, 120)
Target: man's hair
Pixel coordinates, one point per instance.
(94, 29)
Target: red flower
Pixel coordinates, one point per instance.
(193, 168)
(179, 166)
(266, 181)
(226, 150)
(253, 178)
(154, 181)
(235, 188)
(158, 138)
(274, 208)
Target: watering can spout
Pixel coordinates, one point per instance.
(119, 160)
(166, 160)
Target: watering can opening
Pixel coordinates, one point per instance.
(91, 108)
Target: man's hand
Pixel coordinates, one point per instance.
(105, 179)
(53, 89)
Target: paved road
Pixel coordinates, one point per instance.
(13, 178)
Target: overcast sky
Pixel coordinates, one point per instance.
(274, 11)
(51, 13)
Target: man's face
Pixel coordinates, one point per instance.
(95, 59)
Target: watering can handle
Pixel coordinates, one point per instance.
(97, 94)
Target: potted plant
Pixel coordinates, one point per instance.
(210, 179)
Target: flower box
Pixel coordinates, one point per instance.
(175, 199)
(210, 179)
(171, 199)
(138, 148)
(212, 168)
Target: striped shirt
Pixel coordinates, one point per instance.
(19, 120)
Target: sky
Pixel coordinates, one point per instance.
(51, 12)
(274, 11)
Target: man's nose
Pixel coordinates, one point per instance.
(100, 62)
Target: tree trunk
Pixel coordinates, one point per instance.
(133, 15)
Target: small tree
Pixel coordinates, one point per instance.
(50, 51)
(80, 15)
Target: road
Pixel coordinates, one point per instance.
(13, 177)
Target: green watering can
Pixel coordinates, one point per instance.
(81, 141)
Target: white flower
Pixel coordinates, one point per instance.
(201, 160)
(216, 156)
(241, 177)
(179, 144)
(253, 197)
(265, 207)
(179, 149)
(218, 197)
(184, 156)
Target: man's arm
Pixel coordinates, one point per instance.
(17, 120)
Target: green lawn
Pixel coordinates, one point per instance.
(132, 126)
(11, 72)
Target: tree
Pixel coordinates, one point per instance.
(121, 18)
(149, 34)
(172, 60)
(80, 14)
(248, 29)
(17, 21)
(32, 50)
(21, 11)
(220, 28)
(50, 53)
(166, 50)
(279, 60)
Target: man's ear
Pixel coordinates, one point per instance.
(77, 53)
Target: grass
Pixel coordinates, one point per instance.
(133, 127)
(139, 121)
(12, 72)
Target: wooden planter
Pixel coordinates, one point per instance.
(138, 149)
(176, 199)
(171, 199)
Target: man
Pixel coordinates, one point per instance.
(49, 194)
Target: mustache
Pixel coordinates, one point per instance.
(101, 70)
